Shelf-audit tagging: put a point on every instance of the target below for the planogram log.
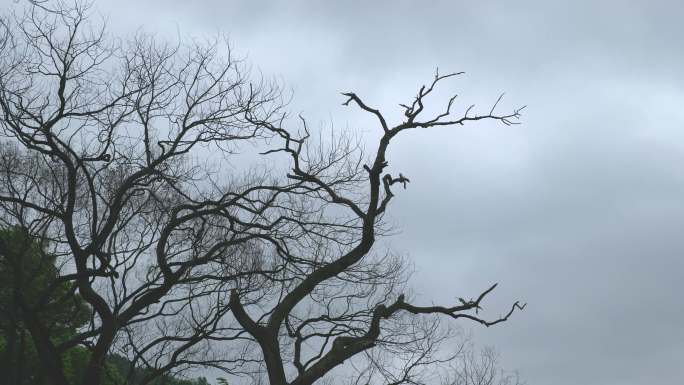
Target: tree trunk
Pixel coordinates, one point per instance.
(49, 357)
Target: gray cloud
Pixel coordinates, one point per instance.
(579, 211)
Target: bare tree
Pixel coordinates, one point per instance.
(117, 151)
(473, 368)
(442, 356)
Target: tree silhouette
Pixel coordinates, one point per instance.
(118, 154)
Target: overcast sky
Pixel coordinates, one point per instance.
(579, 211)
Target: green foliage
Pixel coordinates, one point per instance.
(28, 284)
(29, 287)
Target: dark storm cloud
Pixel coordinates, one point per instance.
(578, 211)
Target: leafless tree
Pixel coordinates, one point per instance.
(441, 356)
(123, 152)
(473, 368)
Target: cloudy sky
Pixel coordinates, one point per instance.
(579, 211)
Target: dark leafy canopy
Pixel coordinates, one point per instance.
(28, 275)
(29, 287)
(122, 156)
(33, 301)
